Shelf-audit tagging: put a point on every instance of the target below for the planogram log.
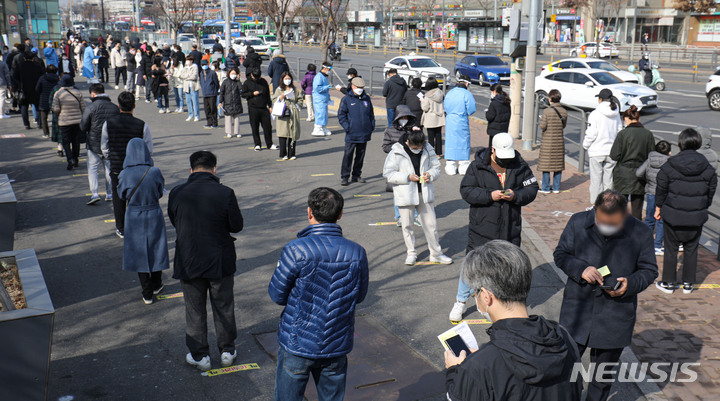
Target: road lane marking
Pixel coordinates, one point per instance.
(231, 369)
(368, 196)
(384, 223)
(323, 175)
(109, 221)
(80, 175)
(679, 124)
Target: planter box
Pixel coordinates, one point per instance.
(26, 335)
(8, 212)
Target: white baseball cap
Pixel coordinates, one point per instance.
(503, 143)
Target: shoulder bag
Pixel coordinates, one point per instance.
(132, 193)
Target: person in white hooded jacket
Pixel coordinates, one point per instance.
(603, 125)
(411, 167)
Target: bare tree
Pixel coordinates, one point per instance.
(175, 12)
(197, 13)
(280, 11)
(696, 6)
(331, 14)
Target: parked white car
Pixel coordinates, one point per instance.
(591, 50)
(589, 63)
(579, 86)
(241, 45)
(412, 66)
(712, 90)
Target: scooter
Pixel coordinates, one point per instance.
(335, 53)
(657, 81)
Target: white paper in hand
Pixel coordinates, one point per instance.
(421, 96)
(290, 94)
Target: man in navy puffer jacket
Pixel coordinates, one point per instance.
(320, 278)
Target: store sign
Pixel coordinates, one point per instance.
(12, 19)
(475, 13)
(650, 12)
(666, 21)
(709, 30)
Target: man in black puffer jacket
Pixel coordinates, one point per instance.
(498, 112)
(92, 122)
(252, 61)
(44, 88)
(686, 185)
(393, 91)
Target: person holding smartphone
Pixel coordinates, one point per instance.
(527, 357)
(609, 258)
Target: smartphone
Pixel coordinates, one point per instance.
(611, 287)
(507, 192)
(456, 344)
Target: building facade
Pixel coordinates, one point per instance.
(38, 19)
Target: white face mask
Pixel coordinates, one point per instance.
(287, 81)
(212, 67)
(607, 230)
(233, 76)
(350, 77)
(403, 122)
(416, 151)
(358, 91)
(485, 314)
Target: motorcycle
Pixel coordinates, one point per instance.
(657, 82)
(335, 53)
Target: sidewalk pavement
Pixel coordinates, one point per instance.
(670, 328)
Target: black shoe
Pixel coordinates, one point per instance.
(28, 127)
(75, 162)
(70, 166)
(60, 153)
(344, 182)
(359, 179)
(119, 233)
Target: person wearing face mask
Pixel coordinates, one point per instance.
(645, 66)
(603, 124)
(528, 357)
(497, 185)
(88, 69)
(177, 83)
(66, 66)
(230, 100)
(321, 98)
(411, 167)
(459, 104)
(351, 73)
(209, 85)
(498, 112)
(256, 91)
(92, 122)
(357, 117)
(277, 67)
(598, 314)
(288, 125)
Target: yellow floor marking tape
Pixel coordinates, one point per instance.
(101, 194)
(323, 175)
(109, 221)
(368, 196)
(384, 223)
(231, 369)
(170, 296)
(707, 286)
(80, 175)
(474, 321)
(426, 262)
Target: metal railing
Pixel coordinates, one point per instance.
(543, 104)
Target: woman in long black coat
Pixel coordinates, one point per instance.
(498, 113)
(28, 75)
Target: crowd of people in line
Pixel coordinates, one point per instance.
(608, 251)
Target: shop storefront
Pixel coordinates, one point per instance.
(662, 25)
(705, 30)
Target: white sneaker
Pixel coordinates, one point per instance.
(228, 136)
(317, 133)
(188, 119)
(117, 87)
(556, 192)
(327, 132)
(442, 259)
(161, 111)
(238, 136)
(257, 148)
(167, 110)
(196, 119)
(293, 158)
(227, 359)
(148, 301)
(285, 158)
(147, 101)
(410, 260)
(542, 191)
(203, 364)
(456, 314)
(274, 147)
(5, 116)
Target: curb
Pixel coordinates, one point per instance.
(650, 391)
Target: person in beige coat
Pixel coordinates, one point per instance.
(433, 118)
(68, 105)
(288, 127)
(118, 63)
(191, 87)
(552, 150)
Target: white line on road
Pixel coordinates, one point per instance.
(684, 94)
(680, 124)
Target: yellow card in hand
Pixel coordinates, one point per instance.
(605, 271)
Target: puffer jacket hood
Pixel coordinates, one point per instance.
(320, 279)
(604, 109)
(533, 349)
(436, 95)
(649, 170)
(656, 160)
(137, 154)
(690, 164)
(403, 111)
(706, 149)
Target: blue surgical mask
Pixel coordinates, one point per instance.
(204, 67)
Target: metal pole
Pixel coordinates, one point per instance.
(632, 42)
(228, 42)
(531, 57)
(496, 8)
(137, 16)
(102, 10)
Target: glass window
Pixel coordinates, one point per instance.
(603, 65)
(564, 64)
(580, 79)
(467, 60)
(423, 63)
(604, 78)
(562, 77)
(490, 61)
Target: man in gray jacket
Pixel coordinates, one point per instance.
(706, 149)
(92, 122)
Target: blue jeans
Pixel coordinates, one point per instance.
(294, 371)
(557, 176)
(179, 101)
(193, 103)
(464, 291)
(655, 225)
(390, 116)
(163, 101)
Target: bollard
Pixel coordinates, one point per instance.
(384, 50)
(356, 49)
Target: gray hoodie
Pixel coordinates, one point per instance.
(649, 170)
(705, 149)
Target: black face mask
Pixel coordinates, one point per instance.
(503, 162)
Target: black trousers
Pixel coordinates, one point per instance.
(148, 85)
(287, 147)
(259, 117)
(104, 74)
(118, 72)
(600, 391)
(689, 237)
(118, 204)
(435, 139)
(149, 283)
(44, 121)
(24, 111)
(210, 107)
(358, 149)
(222, 300)
(71, 141)
(636, 205)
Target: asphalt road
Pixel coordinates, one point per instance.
(108, 345)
